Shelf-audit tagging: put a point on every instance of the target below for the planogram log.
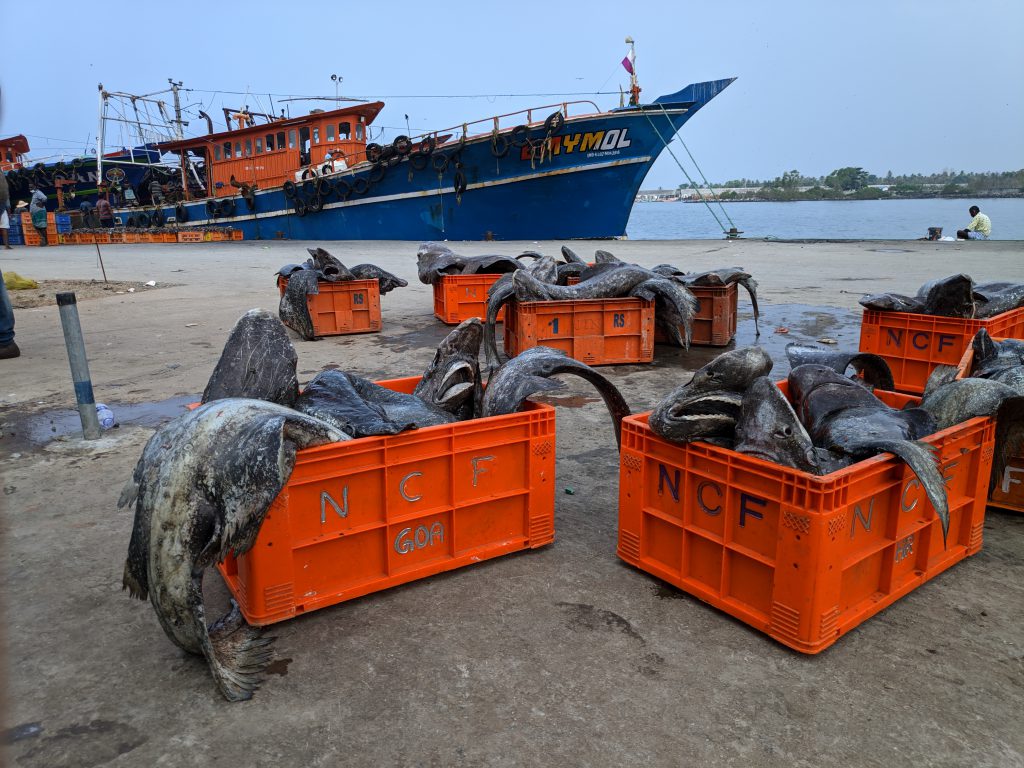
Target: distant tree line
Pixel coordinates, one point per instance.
(857, 183)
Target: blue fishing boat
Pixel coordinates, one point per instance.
(558, 171)
(68, 183)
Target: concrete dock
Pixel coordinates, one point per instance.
(557, 656)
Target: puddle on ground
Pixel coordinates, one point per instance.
(890, 250)
(22, 432)
(803, 323)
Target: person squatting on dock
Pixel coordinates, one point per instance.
(980, 227)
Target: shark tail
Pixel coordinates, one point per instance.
(238, 655)
(920, 457)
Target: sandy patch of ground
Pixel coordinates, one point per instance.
(47, 291)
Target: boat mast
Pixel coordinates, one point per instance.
(179, 134)
(100, 135)
(634, 86)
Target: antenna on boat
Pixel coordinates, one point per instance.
(337, 83)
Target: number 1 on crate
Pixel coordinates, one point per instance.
(553, 322)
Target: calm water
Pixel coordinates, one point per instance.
(853, 219)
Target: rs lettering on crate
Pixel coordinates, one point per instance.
(421, 537)
(919, 340)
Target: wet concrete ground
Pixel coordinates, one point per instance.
(562, 655)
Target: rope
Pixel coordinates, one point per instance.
(693, 184)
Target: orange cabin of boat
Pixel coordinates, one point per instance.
(271, 153)
(11, 151)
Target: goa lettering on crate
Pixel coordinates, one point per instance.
(589, 141)
(709, 496)
(409, 539)
(920, 340)
(904, 548)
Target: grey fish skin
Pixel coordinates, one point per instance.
(528, 373)
(258, 362)
(288, 269)
(330, 268)
(570, 256)
(873, 369)
(386, 281)
(200, 490)
(489, 265)
(331, 398)
(998, 298)
(697, 416)
(951, 296)
(611, 284)
(892, 302)
(452, 380)
(716, 277)
(498, 295)
(435, 260)
(676, 307)
(293, 308)
(604, 257)
(964, 399)
(503, 291)
(769, 429)
(996, 360)
(843, 417)
(709, 403)
(399, 406)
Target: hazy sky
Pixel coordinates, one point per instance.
(896, 85)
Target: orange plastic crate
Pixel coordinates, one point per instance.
(802, 558)
(594, 331)
(913, 345)
(367, 514)
(237, 234)
(190, 237)
(460, 297)
(351, 306)
(1009, 490)
(715, 322)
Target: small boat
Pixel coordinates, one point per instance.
(558, 171)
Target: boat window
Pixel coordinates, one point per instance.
(330, 132)
(270, 142)
(291, 139)
(238, 149)
(259, 146)
(359, 131)
(248, 147)
(280, 140)
(216, 152)
(316, 135)
(344, 131)
(227, 150)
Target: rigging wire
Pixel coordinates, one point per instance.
(692, 182)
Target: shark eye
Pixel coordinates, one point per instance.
(785, 432)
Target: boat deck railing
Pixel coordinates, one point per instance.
(495, 122)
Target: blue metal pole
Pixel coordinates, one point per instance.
(68, 306)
